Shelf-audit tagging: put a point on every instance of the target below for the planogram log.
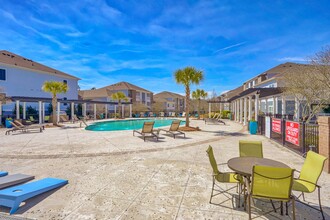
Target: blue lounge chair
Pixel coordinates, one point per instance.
(3, 173)
(13, 196)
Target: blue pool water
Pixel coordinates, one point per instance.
(127, 124)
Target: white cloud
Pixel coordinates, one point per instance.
(229, 47)
(299, 59)
(45, 36)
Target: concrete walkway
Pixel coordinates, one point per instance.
(113, 175)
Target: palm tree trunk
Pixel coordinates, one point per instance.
(187, 105)
(54, 104)
(199, 104)
(120, 109)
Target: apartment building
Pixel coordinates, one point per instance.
(170, 102)
(134, 93)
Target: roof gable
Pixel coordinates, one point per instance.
(124, 86)
(12, 59)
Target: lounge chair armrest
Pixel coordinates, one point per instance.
(307, 182)
(222, 164)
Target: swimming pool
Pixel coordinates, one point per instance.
(119, 125)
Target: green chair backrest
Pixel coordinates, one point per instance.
(312, 167)
(175, 125)
(213, 162)
(272, 182)
(148, 127)
(250, 149)
(31, 118)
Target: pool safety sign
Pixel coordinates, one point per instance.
(277, 125)
(292, 132)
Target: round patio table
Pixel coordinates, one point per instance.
(244, 165)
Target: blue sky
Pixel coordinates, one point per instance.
(144, 42)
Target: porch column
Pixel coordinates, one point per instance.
(123, 111)
(72, 110)
(115, 111)
(220, 106)
(0, 112)
(237, 110)
(106, 111)
(275, 111)
(17, 109)
(245, 111)
(283, 106)
(58, 112)
(43, 112)
(40, 112)
(233, 110)
(296, 109)
(241, 110)
(256, 107)
(94, 111)
(84, 107)
(130, 110)
(24, 110)
(250, 108)
(209, 110)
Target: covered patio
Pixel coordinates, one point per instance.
(41, 103)
(269, 101)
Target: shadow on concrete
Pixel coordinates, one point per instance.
(28, 204)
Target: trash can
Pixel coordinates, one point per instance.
(7, 122)
(253, 127)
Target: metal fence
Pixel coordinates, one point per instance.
(298, 136)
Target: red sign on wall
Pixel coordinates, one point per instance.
(292, 132)
(277, 125)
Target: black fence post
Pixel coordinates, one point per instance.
(283, 131)
(303, 135)
(270, 132)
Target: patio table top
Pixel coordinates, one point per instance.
(244, 165)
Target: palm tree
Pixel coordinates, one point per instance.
(198, 95)
(186, 77)
(120, 96)
(54, 88)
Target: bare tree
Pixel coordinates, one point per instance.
(158, 106)
(310, 84)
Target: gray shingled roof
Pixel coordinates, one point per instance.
(12, 59)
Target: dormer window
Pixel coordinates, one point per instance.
(2, 74)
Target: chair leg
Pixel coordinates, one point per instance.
(249, 204)
(319, 195)
(271, 201)
(239, 195)
(286, 207)
(281, 208)
(212, 190)
(293, 209)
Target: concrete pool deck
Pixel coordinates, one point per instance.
(113, 175)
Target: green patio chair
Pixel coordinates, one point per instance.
(220, 177)
(250, 149)
(46, 118)
(273, 183)
(309, 175)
